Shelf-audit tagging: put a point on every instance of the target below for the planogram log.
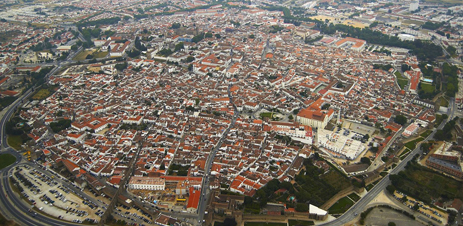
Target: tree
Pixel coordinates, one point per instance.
(190, 67)
(163, 166)
(290, 117)
(176, 25)
(366, 137)
(405, 67)
(217, 36)
(404, 198)
(190, 59)
(365, 160)
(400, 119)
(121, 67)
(208, 35)
(302, 207)
(179, 46)
(390, 188)
(391, 224)
(229, 222)
(247, 200)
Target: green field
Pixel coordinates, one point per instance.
(419, 23)
(15, 142)
(300, 222)
(439, 120)
(41, 94)
(82, 55)
(428, 88)
(341, 206)
(443, 102)
(402, 81)
(428, 185)
(264, 224)
(99, 54)
(354, 197)
(412, 144)
(426, 133)
(6, 160)
(266, 114)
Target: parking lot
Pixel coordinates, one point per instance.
(46, 195)
(431, 213)
(382, 216)
(132, 215)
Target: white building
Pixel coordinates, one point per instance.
(414, 6)
(406, 37)
(147, 183)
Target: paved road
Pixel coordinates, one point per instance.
(207, 169)
(12, 206)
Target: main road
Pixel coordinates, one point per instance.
(207, 169)
(13, 207)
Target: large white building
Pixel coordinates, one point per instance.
(147, 183)
(414, 5)
(340, 145)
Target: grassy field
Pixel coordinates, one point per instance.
(428, 88)
(267, 114)
(412, 144)
(5, 222)
(41, 94)
(264, 224)
(428, 185)
(443, 102)
(439, 119)
(6, 160)
(99, 54)
(426, 133)
(402, 81)
(82, 55)
(335, 179)
(299, 222)
(354, 197)
(15, 142)
(419, 23)
(341, 206)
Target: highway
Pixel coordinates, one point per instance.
(12, 205)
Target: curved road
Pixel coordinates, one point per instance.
(12, 205)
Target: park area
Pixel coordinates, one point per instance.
(45, 92)
(15, 141)
(428, 185)
(41, 94)
(341, 206)
(312, 184)
(6, 160)
(402, 81)
(83, 55)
